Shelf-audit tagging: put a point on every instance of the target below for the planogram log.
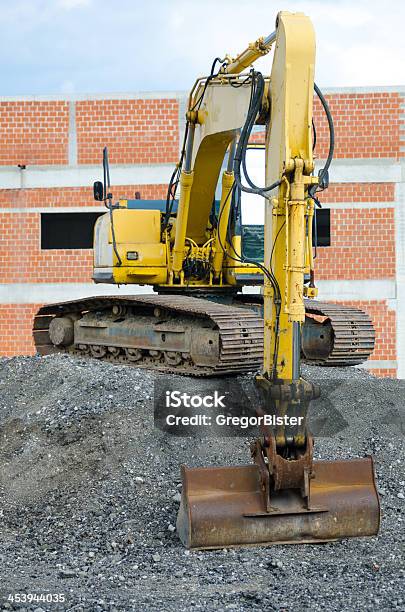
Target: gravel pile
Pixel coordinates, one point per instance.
(90, 491)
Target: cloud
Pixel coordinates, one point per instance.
(67, 87)
(72, 4)
(131, 45)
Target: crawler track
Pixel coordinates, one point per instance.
(240, 332)
(353, 333)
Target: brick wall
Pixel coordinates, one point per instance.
(362, 245)
(34, 133)
(16, 329)
(23, 261)
(366, 125)
(135, 131)
(358, 192)
(142, 132)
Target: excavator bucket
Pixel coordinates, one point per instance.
(224, 506)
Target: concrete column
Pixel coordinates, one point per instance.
(400, 271)
(183, 101)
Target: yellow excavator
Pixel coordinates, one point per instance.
(198, 255)
(191, 251)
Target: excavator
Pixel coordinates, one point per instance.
(197, 254)
(198, 321)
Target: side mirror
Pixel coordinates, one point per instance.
(98, 191)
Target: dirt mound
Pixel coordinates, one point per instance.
(90, 492)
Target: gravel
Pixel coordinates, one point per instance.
(90, 492)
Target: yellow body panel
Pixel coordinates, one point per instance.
(149, 254)
(140, 276)
(137, 232)
(225, 109)
(136, 226)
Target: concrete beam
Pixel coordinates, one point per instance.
(23, 293)
(342, 171)
(377, 363)
(83, 176)
(367, 289)
(365, 89)
(136, 95)
(64, 209)
(364, 170)
(41, 293)
(158, 95)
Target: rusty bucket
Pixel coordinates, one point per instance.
(224, 506)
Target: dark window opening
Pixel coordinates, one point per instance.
(323, 227)
(253, 236)
(68, 230)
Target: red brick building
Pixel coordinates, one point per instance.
(50, 154)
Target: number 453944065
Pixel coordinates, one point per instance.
(36, 597)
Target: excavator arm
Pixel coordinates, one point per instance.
(285, 496)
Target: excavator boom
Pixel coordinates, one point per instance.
(285, 496)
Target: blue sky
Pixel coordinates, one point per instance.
(90, 46)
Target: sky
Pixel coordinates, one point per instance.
(97, 46)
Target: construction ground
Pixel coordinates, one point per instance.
(90, 492)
